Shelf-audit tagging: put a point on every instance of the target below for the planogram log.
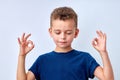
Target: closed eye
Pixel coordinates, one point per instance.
(57, 32)
(69, 32)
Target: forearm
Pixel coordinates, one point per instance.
(107, 67)
(21, 73)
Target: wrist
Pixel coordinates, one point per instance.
(103, 52)
(22, 55)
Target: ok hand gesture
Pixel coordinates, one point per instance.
(99, 43)
(25, 45)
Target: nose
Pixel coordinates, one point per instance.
(63, 36)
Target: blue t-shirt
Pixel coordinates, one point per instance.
(73, 65)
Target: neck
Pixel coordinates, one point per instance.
(63, 49)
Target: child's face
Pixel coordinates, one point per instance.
(63, 32)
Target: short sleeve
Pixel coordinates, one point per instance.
(92, 65)
(35, 68)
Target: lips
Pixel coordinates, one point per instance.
(62, 42)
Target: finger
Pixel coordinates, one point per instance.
(100, 34)
(30, 44)
(27, 36)
(105, 36)
(22, 39)
(94, 42)
(19, 41)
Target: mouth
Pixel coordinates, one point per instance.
(62, 42)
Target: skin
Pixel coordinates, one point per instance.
(63, 33)
(24, 50)
(99, 43)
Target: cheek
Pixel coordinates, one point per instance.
(70, 38)
(55, 38)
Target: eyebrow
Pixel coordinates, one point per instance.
(65, 30)
(69, 30)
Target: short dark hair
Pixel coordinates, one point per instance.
(63, 13)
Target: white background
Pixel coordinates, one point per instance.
(32, 16)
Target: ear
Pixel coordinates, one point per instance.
(76, 33)
(50, 31)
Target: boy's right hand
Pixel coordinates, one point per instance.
(25, 45)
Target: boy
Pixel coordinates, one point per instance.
(64, 63)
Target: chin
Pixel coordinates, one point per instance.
(64, 46)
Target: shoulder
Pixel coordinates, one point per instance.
(82, 53)
(45, 55)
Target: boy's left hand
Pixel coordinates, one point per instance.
(99, 43)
